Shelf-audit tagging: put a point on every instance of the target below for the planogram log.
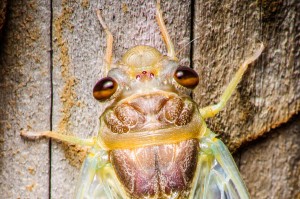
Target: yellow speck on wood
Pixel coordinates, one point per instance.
(124, 7)
(74, 154)
(31, 170)
(85, 3)
(30, 187)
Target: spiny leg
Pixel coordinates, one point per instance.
(164, 32)
(109, 40)
(60, 137)
(211, 111)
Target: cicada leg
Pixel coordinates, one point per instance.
(164, 32)
(211, 111)
(58, 136)
(217, 175)
(109, 42)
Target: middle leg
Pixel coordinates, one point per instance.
(211, 111)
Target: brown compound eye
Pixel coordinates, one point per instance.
(186, 77)
(105, 88)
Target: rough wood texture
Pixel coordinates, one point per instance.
(228, 31)
(24, 99)
(3, 5)
(271, 166)
(270, 91)
(79, 46)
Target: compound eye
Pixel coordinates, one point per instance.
(105, 88)
(186, 77)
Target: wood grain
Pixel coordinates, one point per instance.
(24, 99)
(271, 166)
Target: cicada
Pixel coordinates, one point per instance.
(153, 141)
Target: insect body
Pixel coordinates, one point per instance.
(153, 141)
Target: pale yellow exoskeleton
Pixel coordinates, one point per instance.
(153, 141)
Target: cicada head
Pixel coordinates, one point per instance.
(143, 69)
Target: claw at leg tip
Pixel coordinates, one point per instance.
(158, 4)
(262, 46)
(30, 134)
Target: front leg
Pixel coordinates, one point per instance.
(60, 137)
(211, 111)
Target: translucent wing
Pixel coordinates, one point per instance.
(98, 180)
(217, 175)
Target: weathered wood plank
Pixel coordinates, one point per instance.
(269, 93)
(271, 165)
(25, 99)
(79, 45)
(279, 168)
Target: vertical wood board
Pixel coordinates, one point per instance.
(269, 93)
(25, 99)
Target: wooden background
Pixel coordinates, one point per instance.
(51, 57)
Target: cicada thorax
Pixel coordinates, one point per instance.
(149, 112)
